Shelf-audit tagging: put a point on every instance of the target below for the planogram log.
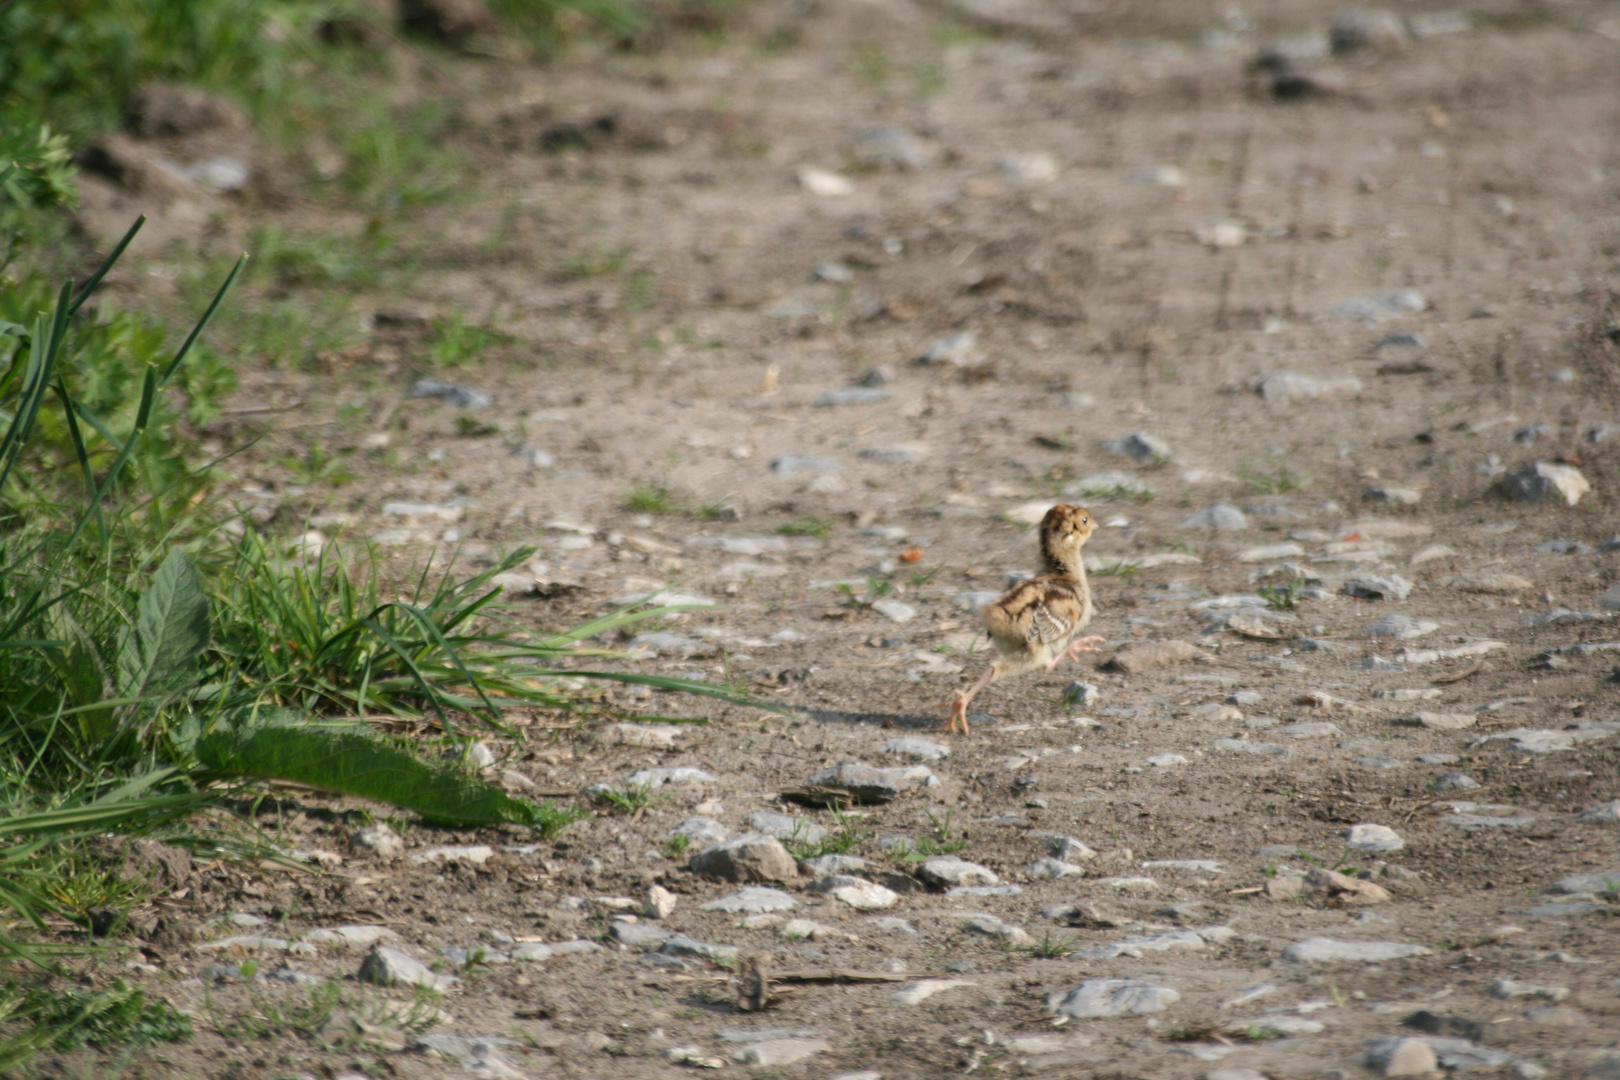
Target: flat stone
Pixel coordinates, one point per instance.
(1401, 627)
(1248, 995)
(750, 857)
(1475, 822)
(1375, 838)
(1069, 849)
(1051, 869)
(853, 395)
(639, 936)
(351, 937)
(470, 854)
(1109, 485)
(780, 1051)
(1511, 988)
(793, 464)
(1112, 997)
(1378, 587)
(753, 900)
(1286, 387)
(389, 967)
(903, 454)
(858, 893)
(1164, 761)
(822, 865)
(681, 945)
(478, 1055)
(783, 827)
(1438, 721)
(984, 890)
(1603, 814)
(1322, 950)
(1489, 582)
(923, 989)
(1140, 946)
(1139, 446)
(1310, 729)
(259, 943)
(1416, 657)
(894, 610)
(1005, 932)
(678, 777)
(943, 871)
(1590, 883)
(702, 830)
(1381, 306)
(918, 749)
(1269, 552)
(1244, 746)
(536, 950)
(1455, 781)
(868, 784)
(1221, 517)
(381, 841)
(1344, 888)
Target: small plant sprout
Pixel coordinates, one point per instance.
(631, 799)
(1283, 597)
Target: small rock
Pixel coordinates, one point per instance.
(1345, 889)
(894, 610)
(638, 936)
(389, 967)
(858, 893)
(381, 841)
(1084, 693)
(1602, 814)
(1049, 869)
(780, 1051)
(1439, 721)
(659, 903)
(1286, 387)
(1376, 838)
(1403, 1057)
(853, 395)
(702, 830)
(783, 827)
(1509, 988)
(749, 857)
(681, 945)
(1139, 446)
(944, 871)
(1146, 655)
(1221, 516)
(792, 464)
(1455, 781)
(1489, 583)
(752, 900)
(868, 784)
(1372, 308)
(825, 184)
(1317, 950)
(1112, 997)
(917, 749)
(470, 854)
(1069, 849)
(459, 396)
(923, 989)
(1385, 587)
(1401, 627)
(1541, 479)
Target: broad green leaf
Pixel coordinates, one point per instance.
(350, 758)
(156, 656)
(78, 667)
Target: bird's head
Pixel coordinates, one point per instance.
(1065, 528)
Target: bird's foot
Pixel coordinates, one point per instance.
(1083, 645)
(958, 713)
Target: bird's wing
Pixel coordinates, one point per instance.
(1035, 612)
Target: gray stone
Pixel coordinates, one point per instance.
(753, 900)
(1434, 721)
(389, 967)
(917, 749)
(639, 935)
(896, 455)
(1375, 838)
(1109, 485)
(1049, 869)
(1081, 693)
(1382, 306)
(894, 610)
(1402, 1057)
(1379, 762)
(1510, 988)
(858, 893)
(681, 945)
(1112, 997)
(822, 865)
(1165, 761)
(1438, 759)
(532, 950)
(1244, 746)
(479, 1055)
(1322, 950)
(1475, 822)
(1455, 781)
(1221, 516)
(381, 841)
(780, 1051)
(1174, 940)
(351, 937)
(460, 396)
(1310, 729)
(890, 147)
(985, 890)
(702, 830)
(1069, 849)
(1401, 627)
(1378, 587)
(750, 857)
(1541, 479)
(783, 827)
(793, 464)
(663, 643)
(853, 395)
(1139, 446)
(1286, 387)
(943, 871)
(868, 784)
(1603, 814)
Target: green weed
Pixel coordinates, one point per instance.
(816, 527)
(456, 341)
(1283, 597)
(1280, 482)
(675, 847)
(630, 799)
(845, 835)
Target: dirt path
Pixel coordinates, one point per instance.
(1093, 225)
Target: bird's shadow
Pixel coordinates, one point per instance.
(890, 720)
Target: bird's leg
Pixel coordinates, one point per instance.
(958, 705)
